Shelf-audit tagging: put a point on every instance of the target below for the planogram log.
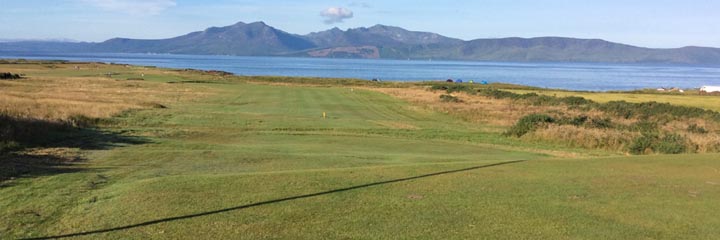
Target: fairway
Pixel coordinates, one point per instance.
(253, 161)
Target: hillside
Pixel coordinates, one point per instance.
(379, 41)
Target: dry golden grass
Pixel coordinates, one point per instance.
(82, 92)
(478, 109)
(606, 139)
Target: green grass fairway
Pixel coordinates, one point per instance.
(247, 162)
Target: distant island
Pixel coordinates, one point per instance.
(379, 42)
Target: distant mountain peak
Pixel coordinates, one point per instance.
(380, 26)
(381, 41)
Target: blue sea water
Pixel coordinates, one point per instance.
(571, 76)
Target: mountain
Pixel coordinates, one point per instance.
(239, 39)
(580, 50)
(378, 35)
(380, 41)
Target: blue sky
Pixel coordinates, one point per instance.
(656, 23)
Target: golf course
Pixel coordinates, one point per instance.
(109, 151)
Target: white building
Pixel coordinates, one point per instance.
(710, 89)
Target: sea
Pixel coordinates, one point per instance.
(569, 76)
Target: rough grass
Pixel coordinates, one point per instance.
(62, 92)
(614, 126)
(238, 144)
(688, 99)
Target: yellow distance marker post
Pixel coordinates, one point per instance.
(324, 115)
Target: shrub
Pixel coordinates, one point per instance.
(601, 123)
(694, 128)
(643, 143)
(576, 121)
(659, 110)
(7, 75)
(671, 144)
(452, 87)
(80, 121)
(575, 101)
(449, 98)
(644, 127)
(8, 146)
(528, 123)
(497, 94)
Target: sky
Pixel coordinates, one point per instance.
(647, 23)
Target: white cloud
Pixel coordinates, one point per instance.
(336, 15)
(134, 7)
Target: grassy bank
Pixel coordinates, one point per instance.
(249, 158)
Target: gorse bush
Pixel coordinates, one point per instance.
(655, 109)
(671, 143)
(601, 123)
(452, 87)
(528, 124)
(694, 128)
(7, 75)
(643, 127)
(575, 121)
(449, 98)
(643, 143)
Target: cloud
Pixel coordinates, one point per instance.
(336, 15)
(134, 7)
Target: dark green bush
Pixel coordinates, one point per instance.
(81, 121)
(497, 94)
(528, 123)
(600, 123)
(452, 87)
(449, 98)
(7, 75)
(644, 127)
(671, 144)
(575, 121)
(655, 109)
(643, 143)
(8, 146)
(575, 101)
(694, 128)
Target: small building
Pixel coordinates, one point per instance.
(710, 89)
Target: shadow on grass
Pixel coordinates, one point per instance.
(257, 204)
(32, 147)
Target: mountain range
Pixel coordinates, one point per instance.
(379, 41)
